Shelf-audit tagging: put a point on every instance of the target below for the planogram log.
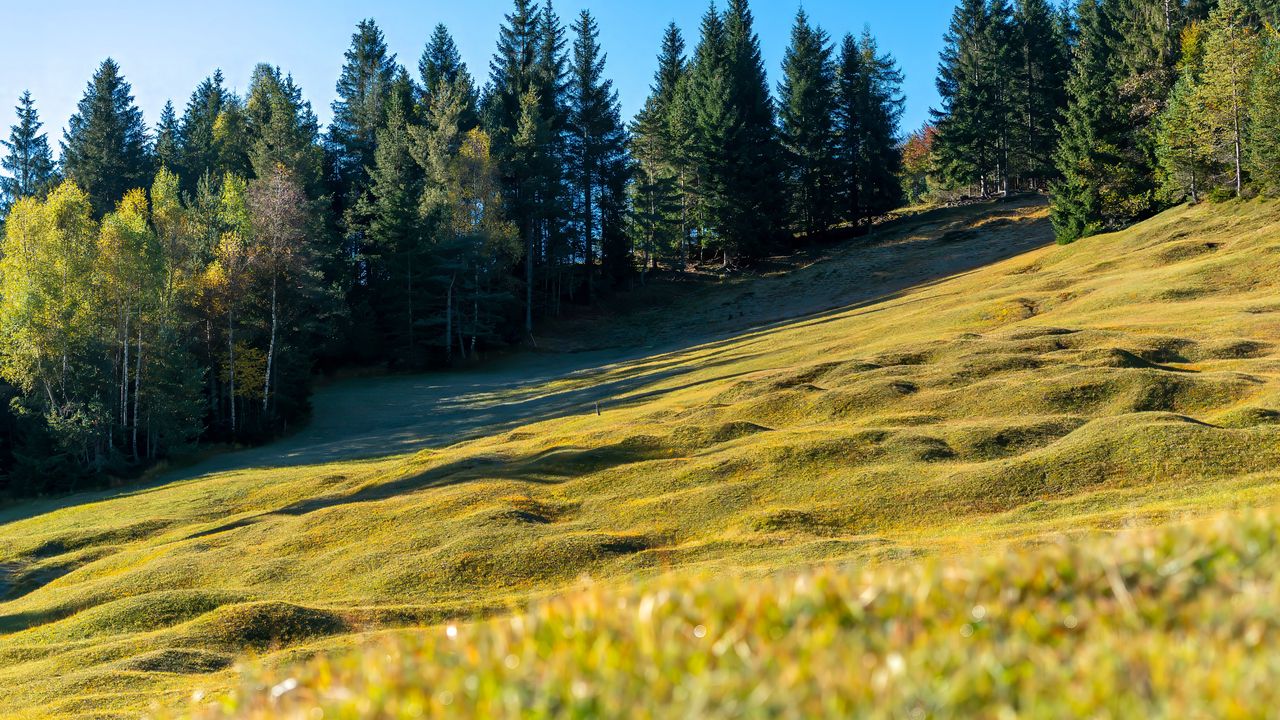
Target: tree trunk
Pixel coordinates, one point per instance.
(137, 391)
(271, 347)
(448, 321)
(231, 370)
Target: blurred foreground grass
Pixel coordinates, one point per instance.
(1178, 622)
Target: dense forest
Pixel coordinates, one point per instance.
(1120, 108)
(167, 285)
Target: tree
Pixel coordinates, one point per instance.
(1231, 49)
(360, 109)
(807, 95)
(597, 147)
(974, 76)
(1101, 178)
(27, 159)
(1264, 119)
(166, 148)
(917, 163)
(1043, 61)
(199, 154)
(105, 150)
(868, 109)
(755, 178)
(282, 255)
(50, 344)
(1182, 166)
(441, 65)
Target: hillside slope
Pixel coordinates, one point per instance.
(1124, 379)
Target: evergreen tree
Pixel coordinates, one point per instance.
(27, 161)
(1182, 167)
(198, 152)
(1264, 119)
(597, 150)
(807, 113)
(974, 80)
(754, 182)
(869, 106)
(1043, 61)
(441, 65)
(360, 110)
(396, 235)
(661, 197)
(283, 130)
(166, 148)
(105, 150)
(1101, 181)
(706, 114)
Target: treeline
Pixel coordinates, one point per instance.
(183, 283)
(1119, 107)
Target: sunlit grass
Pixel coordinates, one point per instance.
(1126, 380)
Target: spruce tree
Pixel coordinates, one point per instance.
(441, 65)
(283, 130)
(597, 154)
(198, 153)
(708, 117)
(807, 114)
(1043, 61)
(868, 108)
(1182, 168)
(360, 110)
(27, 160)
(752, 221)
(1264, 120)
(166, 147)
(105, 149)
(660, 200)
(1097, 174)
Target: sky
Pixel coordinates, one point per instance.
(52, 49)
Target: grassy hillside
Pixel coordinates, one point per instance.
(1123, 380)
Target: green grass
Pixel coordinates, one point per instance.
(958, 387)
(1178, 623)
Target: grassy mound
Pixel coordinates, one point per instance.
(1178, 623)
(964, 409)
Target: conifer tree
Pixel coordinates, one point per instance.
(708, 116)
(27, 160)
(597, 148)
(754, 183)
(807, 113)
(166, 146)
(868, 108)
(1182, 167)
(1042, 61)
(441, 64)
(1264, 119)
(105, 149)
(283, 130)
(198, 151)
(974, 80)
(360, 109)
(660, 199)
(1098, 173)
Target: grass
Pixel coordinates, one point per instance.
(1183, 622)
(957, 387)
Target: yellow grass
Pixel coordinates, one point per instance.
(1127, 379)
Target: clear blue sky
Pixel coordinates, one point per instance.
(166, 48)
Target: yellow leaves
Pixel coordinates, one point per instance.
(251, 371)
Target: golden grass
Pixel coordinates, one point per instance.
(1127, 379)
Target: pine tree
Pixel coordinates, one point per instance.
(974, 80)
(807, 114)
(660, 197)
(27, 161)
(1043, 61)
(198, 152)
(868, 109)
(1098, 175)
(105, 150)
(283, 130)
(360, 110)
(166, 148)
(1182, 167)
(441, 65)
(596, 150)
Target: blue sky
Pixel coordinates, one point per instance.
(52, 49)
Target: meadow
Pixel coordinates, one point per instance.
(891, 411)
